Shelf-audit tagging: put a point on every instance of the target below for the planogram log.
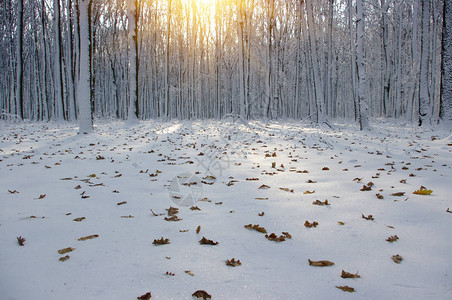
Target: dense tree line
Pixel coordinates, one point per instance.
(317, 60)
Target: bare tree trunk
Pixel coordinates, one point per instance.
(362, 94)
(446, 64)
(425, 108)
(133, 62)
(19, 65)
(319, 91)
(83, 90)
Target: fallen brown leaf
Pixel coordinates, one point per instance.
(64, 258)
(369, 217)
(161, 241)
(201, 294)
(172, 211)
(65, 250)
(256, 227)
(89, 237)
(318, 202)
(392, 239)
(121, 203)
(233, 263)
(349, 275)
(346, 288)
(198, 229)
(398, 194)
(146, 296)
(79, 219)
(189, 273)
(397, 258)
(172, 219)
(310, 225)
(205, 241)
(275, 238)
(320, 263)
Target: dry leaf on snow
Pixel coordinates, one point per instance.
(423, 191)
(161, 241)
(318, 202)
(346, 288)
(89, 237)
(205, 241)
(310, 225)
(275, 238)
(146, 296)
(256, 227)
(397, 258)
(369, 217)
(349, 275)
(201, 294)
(320, 263)
(392, 239)
(65, 250)
(233, 263)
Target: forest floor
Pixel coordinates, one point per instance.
(93, 208)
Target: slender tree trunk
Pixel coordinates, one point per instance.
(362, 94)
(319, 91)
(83, 90)
(425, 108)
(19, 65)
(58, 66)
(446, 64)
(132, 17)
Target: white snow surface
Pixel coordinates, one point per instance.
(42, 164)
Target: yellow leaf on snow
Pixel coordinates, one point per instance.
(423, 191)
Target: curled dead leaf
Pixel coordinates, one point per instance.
(273, 237)
(121, 203)
(287, 235)
(366, 188)
(161, 241)
(198, 229)
(392, 239)
(398, 194)
(194, 208)
(349, 275)
(346, 288)
(89, 237)
(65, 250)
(320, 263)
(320, 203)
(264, 187)
(189, 273)
(310, 225)
(79, 219)
(205, 241)
(256, 227)
(201, 294)
(369, 217)
(309, 192)
(64, 258)
(172, 211)
(146, 296)
(397, 258)
(233, 263)
(172, 219)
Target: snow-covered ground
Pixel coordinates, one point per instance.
(115, 176)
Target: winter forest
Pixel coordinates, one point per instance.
(225, 149)
(198, 59)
